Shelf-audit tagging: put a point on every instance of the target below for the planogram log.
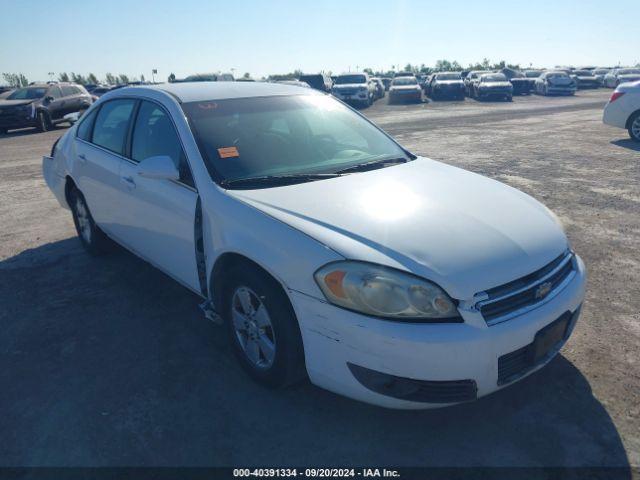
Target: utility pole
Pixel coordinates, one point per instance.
(153, 75)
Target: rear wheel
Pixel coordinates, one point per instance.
(634, 127)
(92, 238)
(262, 327)
(44, 121)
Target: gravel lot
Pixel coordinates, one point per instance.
(109, 362)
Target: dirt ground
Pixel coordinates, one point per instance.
(109, 362)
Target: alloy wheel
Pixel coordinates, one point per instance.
(253, 327)
(635, 128)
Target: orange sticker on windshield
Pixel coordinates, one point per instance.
(228, 152)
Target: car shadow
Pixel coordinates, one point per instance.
(627, 143)
(31, 130)
(107, 361)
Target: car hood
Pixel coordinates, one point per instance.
(461, 230)
(450, 82)
(15, 103)
(560, 81)
(349, 85)
(628, 77)
(405, 87)
(496, 84)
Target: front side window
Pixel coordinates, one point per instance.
(153, 135)
(284, 135)
(112, 123)
(67, 91)
(54, 92)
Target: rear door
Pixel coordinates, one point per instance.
(100, 143)
(55, 107)
(160, 214)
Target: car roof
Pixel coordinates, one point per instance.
(202, 91)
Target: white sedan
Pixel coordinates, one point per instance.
(327, 249)
(623, 109)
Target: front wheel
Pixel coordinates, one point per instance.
(263, 327)
(634, 127)
(92, 238)
(44, 122)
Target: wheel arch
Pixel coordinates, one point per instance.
(633, 114)
(69, 186)
(224, 264)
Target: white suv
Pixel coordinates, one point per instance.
(355, 88)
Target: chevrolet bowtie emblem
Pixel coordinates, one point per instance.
(543, 290)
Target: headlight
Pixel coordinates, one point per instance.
(384, 292)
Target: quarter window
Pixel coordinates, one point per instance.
(84, 129)
(112, 123)
(154, 135)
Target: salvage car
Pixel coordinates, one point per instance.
(319, 81)
(326, 248)
(521, 84)
(599, 73)
(555, 82)
(471, 79)
(585, 79)
(493, 85)
(445, 85)
(354, 88)
(405, 89)
(621, 75)
(623, 109)
(42, 105)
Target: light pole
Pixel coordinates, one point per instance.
(153, 75)
(51, 74)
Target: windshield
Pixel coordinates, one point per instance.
(404, 81)
(343, 79)
(629, 71)
(532, 73)
(600, 72)
(495, 77)
(583, 73)
(284, 135)
(27, 94)
(448, 76)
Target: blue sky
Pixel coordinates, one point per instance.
(278, 36)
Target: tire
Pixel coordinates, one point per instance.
(509, 98)
(92, 238)
(44, 121)
(634, 127)
(276, 357)
(3, 131)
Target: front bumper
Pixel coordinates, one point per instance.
(17, 120)
(561, 90)
(54, 179)
(405, 96)
(335, 338)
(503, 92)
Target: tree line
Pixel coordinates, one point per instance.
(20, 80)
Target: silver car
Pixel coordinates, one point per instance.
(621, 75)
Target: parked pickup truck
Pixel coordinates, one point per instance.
(354, 88)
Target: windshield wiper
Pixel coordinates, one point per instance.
(276, 180)
(363, 167)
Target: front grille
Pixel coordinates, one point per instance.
(515, 298)
(347, 91)
(426, 391)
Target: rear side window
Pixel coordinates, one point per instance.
(153, 135)
(111, 125)
(54, 92)
(86, 124)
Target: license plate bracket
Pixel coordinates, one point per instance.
(548, 338)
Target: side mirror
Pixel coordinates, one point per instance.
(48, 99)
(160, 167)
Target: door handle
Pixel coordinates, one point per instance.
(128, 181)
(82, 158)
